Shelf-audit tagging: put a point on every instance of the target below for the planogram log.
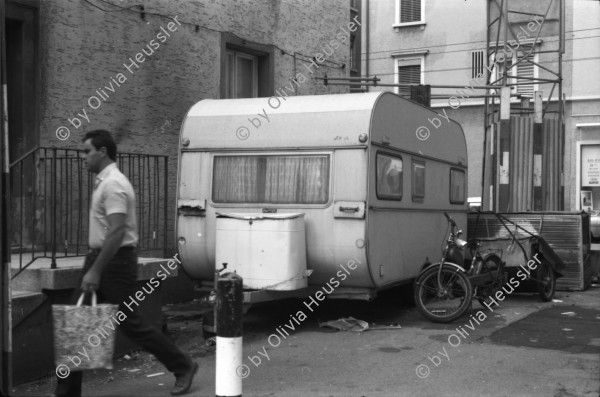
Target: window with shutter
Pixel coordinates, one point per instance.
(408, 75)
(522, 69)
(526, 69)
(410, 11)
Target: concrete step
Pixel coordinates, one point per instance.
(23, 303)
(32, 310)
(39, 275)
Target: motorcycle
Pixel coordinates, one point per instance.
(444, 291)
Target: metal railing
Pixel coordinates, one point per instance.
(51, 190)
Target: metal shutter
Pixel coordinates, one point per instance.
(408, 75)
(525, 69)
(410, 11)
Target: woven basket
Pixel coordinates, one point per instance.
(83, 335)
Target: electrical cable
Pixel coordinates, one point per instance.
(455, 69)
(479, 49)
(467, 42)
(307, 58)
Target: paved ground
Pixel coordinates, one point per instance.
(523, 348)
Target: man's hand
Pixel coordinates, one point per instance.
(91, 281)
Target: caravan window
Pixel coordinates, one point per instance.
(418, 181)
(273, 179)
(457, 186)
(389, 177)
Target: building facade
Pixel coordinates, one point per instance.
(135, 70)
(437, 42)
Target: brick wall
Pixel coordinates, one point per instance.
(85, 55)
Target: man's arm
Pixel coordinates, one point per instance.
(114, 238)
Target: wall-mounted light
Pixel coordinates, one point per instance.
(185, 141)
(362, 138)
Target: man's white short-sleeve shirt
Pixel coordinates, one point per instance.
(113, 195)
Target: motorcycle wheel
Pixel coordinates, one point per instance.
(546, 281)
(445, 304)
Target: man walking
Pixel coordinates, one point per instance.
(110, 266)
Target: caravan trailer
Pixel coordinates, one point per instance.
(318, 184)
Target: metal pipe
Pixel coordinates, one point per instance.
(561, 103)
(5, 279)
(79, 201)
(349, 78)
(533, 79)
(484, 191)
(549, 100)
(480, 87)
(166, 193)
(53, 216)
(470, 96)
(229, 311)
(506, 25)
(366, 29)
(525, 13)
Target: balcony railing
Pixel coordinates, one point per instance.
(51, 191)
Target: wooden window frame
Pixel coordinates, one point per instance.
(401, 61)
(265, 55)
(236, 55)
(399, 24)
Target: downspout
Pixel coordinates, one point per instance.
(366, 29)
(5, 273)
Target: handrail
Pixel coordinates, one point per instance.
(22, 157)
(51, 195)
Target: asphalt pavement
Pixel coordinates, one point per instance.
(524, 347)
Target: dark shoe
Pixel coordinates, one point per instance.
(184, 382)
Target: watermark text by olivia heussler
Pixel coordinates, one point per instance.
(311, 303)
(94, 339)
(113, 84)
(275, 102)
(454, 340)
(510, 48)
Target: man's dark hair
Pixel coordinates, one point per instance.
(102, 138)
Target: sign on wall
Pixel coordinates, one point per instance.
(590, 165)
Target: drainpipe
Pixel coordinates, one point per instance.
(5, 295)
(366, 29)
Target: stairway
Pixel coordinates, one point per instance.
(34, 291)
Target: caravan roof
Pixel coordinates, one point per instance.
(317, 121)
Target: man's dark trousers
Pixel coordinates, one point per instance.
(117, 285)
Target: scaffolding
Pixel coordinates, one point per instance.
(524, 126)
(524, 155)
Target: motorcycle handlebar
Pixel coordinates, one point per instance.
(450, 219)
